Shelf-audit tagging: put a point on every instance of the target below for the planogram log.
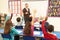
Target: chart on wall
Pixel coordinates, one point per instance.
(54, 8)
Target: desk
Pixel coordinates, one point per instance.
(36, 33)
(39, 33)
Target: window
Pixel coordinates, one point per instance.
(15, 6)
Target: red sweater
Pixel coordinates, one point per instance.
(47, 36)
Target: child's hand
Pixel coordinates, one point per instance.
(46, 18)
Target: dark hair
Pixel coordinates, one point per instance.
(27, 29)
(18, 19)
(30, 19)
(8, 25)
(50, 28)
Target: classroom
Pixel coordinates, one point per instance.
(29, 19)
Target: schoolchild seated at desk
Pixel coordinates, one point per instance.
(19, 22)
(48, 35)
(46, 24)
(28, 30)
(9, 30)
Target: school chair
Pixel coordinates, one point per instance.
(16, 37)
(18, 27)
(35, 29)
(28, 38)
(6, 36)
(43, 38)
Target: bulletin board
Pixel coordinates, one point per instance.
(54, 8)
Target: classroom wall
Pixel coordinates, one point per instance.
(3, 6)
(41, 10)
(39, 6)
(56, 22)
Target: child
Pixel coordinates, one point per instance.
(10, 30)
(48, 35)
(28, 30)
(19, 23)
(46, 24)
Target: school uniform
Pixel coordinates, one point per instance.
(12, 33)
(48, 36)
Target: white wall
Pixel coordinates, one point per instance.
(3, 6)
(39, 6)
(55, 21)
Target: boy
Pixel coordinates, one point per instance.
(48, 35)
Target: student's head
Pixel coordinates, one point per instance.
(50, 28)
(18, 19)
(26, 5)
(8, 26)
(27, 29)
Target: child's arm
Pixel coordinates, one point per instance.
(14, 31)
(43, 28)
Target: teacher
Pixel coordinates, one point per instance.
(26, 12)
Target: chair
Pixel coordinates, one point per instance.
(16, 37)
(43, 39)
(35, 29)
(6, 36)
(46, 38)
(28, 38)
(18, 27)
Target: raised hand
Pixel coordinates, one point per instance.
(46, 18)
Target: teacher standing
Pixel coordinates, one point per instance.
(26, 12)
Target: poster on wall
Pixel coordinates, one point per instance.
(54, 8)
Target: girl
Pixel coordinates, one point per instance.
(10, 30)
(29, 28)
